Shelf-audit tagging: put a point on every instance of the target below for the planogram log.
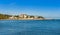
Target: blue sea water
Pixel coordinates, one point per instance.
(29, 27)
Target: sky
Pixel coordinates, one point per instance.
(45, 8)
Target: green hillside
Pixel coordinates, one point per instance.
(4, 16)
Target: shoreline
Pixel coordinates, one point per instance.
(29, 19)
(20, 19)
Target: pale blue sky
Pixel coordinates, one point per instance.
(46, 8)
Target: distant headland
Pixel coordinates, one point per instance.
(20, 17)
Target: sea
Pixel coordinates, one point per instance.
(29, 27)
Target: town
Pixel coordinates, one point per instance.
(22, 17)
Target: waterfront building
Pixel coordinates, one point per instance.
(23, 16)
(12, 17)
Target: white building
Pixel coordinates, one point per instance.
(12, 17)
(23, 16)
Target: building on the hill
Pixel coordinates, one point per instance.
(25, 16)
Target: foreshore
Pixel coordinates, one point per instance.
(27, 19)
(20, 19)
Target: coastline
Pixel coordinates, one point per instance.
(29, 19)
(20, 19)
